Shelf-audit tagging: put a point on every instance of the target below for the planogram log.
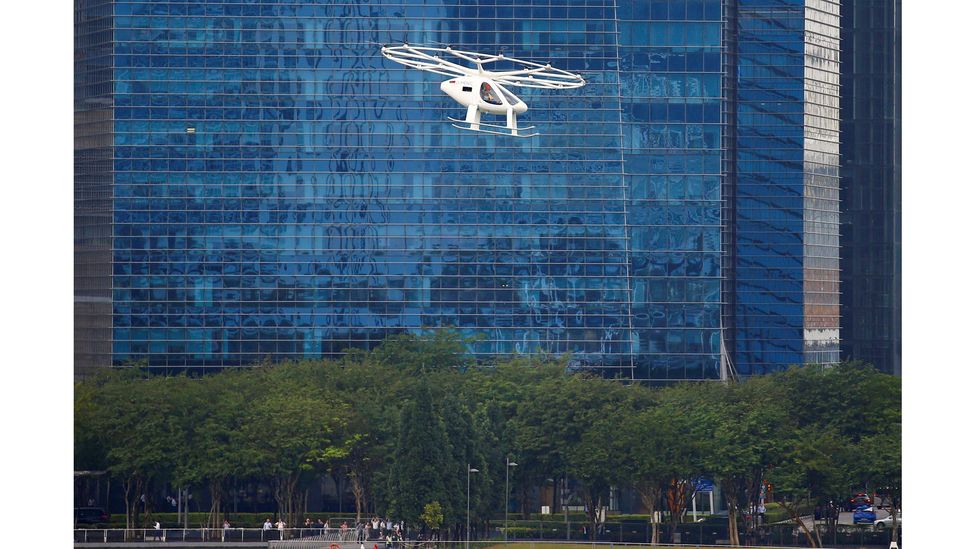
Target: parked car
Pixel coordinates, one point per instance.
(859, 499)
(864, 514)
(885, 523)
(90, 515)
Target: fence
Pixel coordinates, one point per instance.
(544, 533)
(314, 544)
(256, 535)
(703, 533)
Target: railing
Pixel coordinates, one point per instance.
(609, 535)
(703, 533)
(256, 535)
(498, 544)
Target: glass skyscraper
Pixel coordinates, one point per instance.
(255, 181)
(871, 183)
(783, 269)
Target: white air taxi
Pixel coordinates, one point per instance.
(480, 90)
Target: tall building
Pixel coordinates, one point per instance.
(94, 134)
(871, 183)
(783, 274)
(280, 190)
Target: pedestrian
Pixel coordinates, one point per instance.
(157, 533)
(267, 524)
(226, 524)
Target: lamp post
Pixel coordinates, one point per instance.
(467, 539)
(508, 463)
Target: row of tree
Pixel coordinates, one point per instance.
(403, 422)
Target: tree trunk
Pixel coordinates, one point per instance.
(285, 493)
(126, 490)
(650, 494)
(524, 502)
(677, 501)
(358, 491)
(894, 515)
(132, 489)
(147, 505)
(733, 506)
(816, 532)
(791, 508)
(216, 496)
(592, 514)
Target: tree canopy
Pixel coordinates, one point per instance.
(403, 422)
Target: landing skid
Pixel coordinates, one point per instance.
(511, 132)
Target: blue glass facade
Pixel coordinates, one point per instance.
(280, 190)
(783, 289)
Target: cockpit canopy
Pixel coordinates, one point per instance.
(491, 93)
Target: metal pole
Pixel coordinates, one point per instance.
(506, 497)
(467, 538)
(563, 493)
(508, 463)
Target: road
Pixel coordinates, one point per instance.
(845, 517)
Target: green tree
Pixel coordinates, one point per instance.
(139, 423)
(498, 393)
(420, 465)
(427, 352)
(880, 465)
(372, 389)
(432, 516)
(464, 449)
(658, 453)
(743, 428)
(813, 467)
(213, 451)
(593, 464)
(292, 430)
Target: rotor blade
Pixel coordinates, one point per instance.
(547, 81)
(423, 63)
(413, 57)
(519, 72)
(534, 75)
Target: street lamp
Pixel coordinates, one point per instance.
(467, 541)
(508, 463)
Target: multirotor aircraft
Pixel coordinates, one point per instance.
(481, 90)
